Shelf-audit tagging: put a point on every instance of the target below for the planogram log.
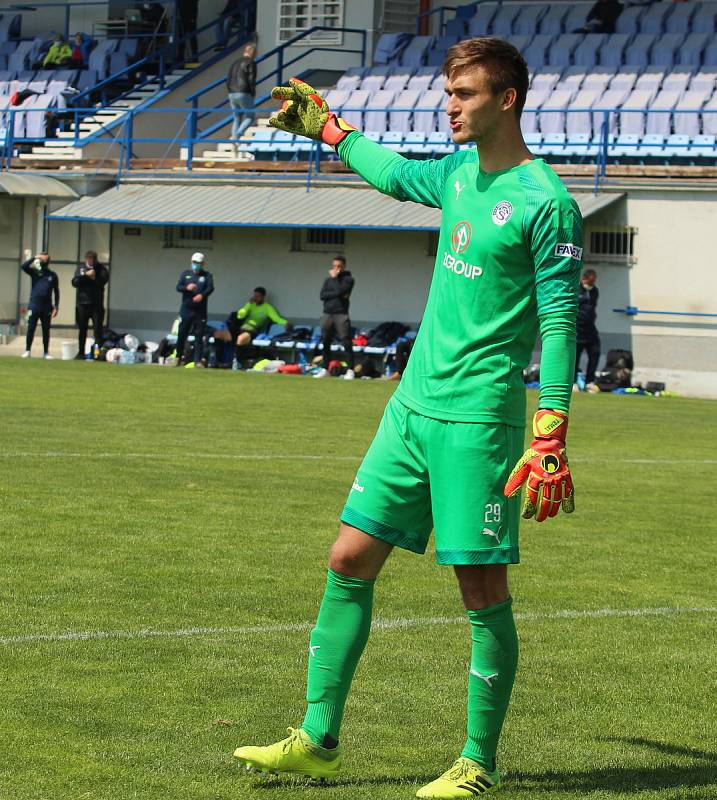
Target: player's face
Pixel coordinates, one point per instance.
(475, 112)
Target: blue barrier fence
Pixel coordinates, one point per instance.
(633, 311)
(597, 149)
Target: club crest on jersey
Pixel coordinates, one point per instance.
(461, 236)
(570, 250)
(502, 212)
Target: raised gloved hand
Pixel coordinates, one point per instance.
(544, 469)
(306, 113)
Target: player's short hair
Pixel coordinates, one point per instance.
(91, 254)
(506, 67)
(342, 259)
(589, 273)
(260, 290)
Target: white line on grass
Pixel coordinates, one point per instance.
(378, 624)
(305, 457)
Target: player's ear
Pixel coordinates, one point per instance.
(509, 98)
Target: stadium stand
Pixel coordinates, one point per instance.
(645, 87)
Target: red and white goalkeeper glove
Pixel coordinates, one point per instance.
(544, 469)
(305, 113)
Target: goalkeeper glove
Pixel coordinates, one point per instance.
(544, 466)
(305, 112)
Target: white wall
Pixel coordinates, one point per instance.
(392, 272)
(356, 15)
(673, 271)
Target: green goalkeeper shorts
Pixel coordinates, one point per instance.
(422, 474)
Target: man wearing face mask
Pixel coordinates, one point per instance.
(195, 286)
(45, 287)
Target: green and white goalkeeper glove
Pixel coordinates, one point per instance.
(305, 113)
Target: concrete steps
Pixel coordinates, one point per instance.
(62, 148)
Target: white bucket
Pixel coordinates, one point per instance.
(69, 350)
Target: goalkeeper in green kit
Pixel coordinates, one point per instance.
(448, 453)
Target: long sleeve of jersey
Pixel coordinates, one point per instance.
(399, 177)
(557, 360)
(555, 233)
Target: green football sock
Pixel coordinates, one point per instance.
(494, 660)
(335, 646)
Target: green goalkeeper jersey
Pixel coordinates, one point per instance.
(509, 255)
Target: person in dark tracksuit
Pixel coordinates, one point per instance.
(187, 11)
(195, 285)
(588, 338)
(335, 294)
(44, 300)
(90, 279)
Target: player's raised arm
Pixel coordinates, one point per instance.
(305, 113)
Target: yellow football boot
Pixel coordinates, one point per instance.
(465, 778)
(295, 755)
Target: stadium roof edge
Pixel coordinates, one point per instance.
(267, 207)
(35, 186)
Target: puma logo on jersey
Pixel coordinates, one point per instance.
(494, 534)
(357, 486)
(459, 187)
(486, 678)
(313, 648)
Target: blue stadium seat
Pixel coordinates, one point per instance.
(553, 22)
(625, 145)
(502, 22)
(680, 20)
(261, 141)
(393, 140)
(527, 21)
(456, 27)
(703, 146)
(612, 52)
(655, 17)
(283, 142)
(579, 145)
(414, 55)
(677, 146)
(439, 142)
(587, 54)
(479, 23)
(692, 51)
(414, 142)
(652, 145)
(533, 140)
(553, 144)
(389, 47)
(629, 20)
(561, 52)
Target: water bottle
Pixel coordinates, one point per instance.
(235, 365)
(580, 380)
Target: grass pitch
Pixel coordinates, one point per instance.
(181, 520)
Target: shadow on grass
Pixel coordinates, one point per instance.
(604, 779)
(626, 779)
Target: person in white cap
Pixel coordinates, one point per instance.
(195, 286)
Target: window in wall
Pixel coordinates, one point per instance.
(296, 17)
(320, 240)
(189, 236)
(611, 245)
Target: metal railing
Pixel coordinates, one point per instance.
(275, 76)
(633, 311)
(164, 60)
(596, 150)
